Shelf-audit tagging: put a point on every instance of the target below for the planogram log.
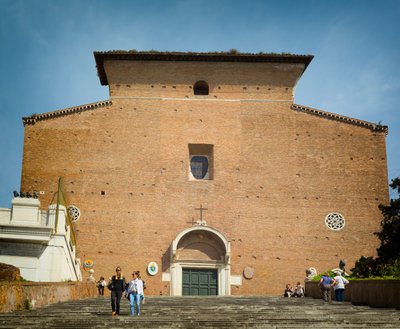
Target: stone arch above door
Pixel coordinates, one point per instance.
(213, 245)
(200, 247)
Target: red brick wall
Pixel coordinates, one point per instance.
(277, 174)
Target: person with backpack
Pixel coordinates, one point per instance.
(135, 291)
(117, 286)
(325, 284)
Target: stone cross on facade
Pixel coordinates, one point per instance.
(201, 221)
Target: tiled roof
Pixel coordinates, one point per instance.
(338, 117)
(70, 110)
(101, 56)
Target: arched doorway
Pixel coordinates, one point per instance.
(200, 262)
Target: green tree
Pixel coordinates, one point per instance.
(389, 250)
(388, 261)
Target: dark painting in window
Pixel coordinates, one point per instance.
(199, 166)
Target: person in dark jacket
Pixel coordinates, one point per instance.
(117, 286)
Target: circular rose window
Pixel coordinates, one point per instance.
(335, 221)
(74, 213)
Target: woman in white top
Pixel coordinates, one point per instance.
(142, 298)
(100, 285)
(135, 290)
(299, 290)
(339, 287)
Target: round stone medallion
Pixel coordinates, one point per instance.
(248, 272)
(152, 268)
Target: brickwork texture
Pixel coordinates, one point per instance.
(277, 172)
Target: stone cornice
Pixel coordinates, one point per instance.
(342, 118)
(26, 233)
(31, 120)
(101, 56)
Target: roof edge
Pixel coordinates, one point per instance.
(342, 118)
(101, 56)
(31, 120)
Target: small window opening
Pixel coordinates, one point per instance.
(199, 166)
(201, 162)
(200, 88)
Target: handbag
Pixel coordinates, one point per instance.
(110, 286)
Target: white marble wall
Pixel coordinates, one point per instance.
(29, 241)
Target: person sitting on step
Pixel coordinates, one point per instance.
(298, 291)
(288, 291)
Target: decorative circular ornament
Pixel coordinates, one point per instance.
(248, 273)
(152, 268)
(88, 264)
(74, 213)
(335, 221)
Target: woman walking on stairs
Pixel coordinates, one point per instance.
(117, 286)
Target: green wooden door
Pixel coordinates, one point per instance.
(199, 282)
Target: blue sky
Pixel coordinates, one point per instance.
(46, 57)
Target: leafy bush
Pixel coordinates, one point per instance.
(366, 267)
(391, 269)
(318, 277)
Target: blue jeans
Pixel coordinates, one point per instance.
(134, 299)
(339, 294)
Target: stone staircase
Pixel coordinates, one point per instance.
(205, 312)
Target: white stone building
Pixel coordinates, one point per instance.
(37, 242)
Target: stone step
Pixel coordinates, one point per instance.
(205, 312)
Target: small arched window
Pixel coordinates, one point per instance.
(200, 88)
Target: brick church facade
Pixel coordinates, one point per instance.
(203, 164)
